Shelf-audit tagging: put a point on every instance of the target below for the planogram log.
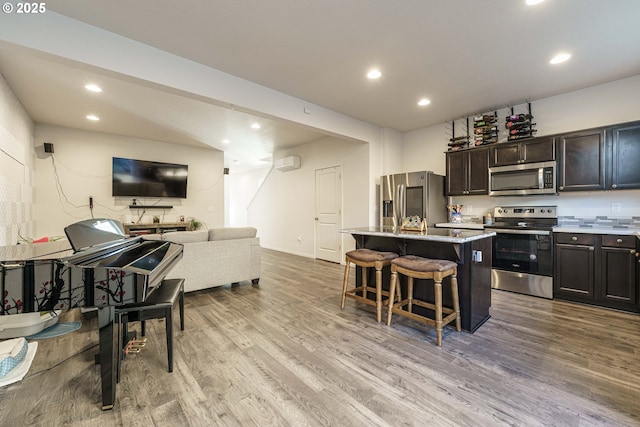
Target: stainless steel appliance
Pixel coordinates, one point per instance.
(523, 179)
(412, 193)
(523, 249)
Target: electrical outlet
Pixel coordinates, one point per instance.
(469, 208)
(616, 207)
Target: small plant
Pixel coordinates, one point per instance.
(194, 224)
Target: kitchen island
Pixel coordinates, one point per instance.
(470, 249)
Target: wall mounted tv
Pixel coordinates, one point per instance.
(143, 178)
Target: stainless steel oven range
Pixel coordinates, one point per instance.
(523, 249)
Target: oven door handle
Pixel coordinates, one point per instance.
(513, 231)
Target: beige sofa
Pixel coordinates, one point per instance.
(215, 257)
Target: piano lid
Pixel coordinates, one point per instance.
(92, 232)
(30, 251)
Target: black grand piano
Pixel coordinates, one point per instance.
(99, 266)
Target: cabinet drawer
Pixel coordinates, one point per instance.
(616, 241)
(575, 239)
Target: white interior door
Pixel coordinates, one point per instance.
(328, 213)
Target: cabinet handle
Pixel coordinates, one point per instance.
(633, 252)
(561, 188)
(591, 248)
(574, 238)
(618, 240)
(614, 186)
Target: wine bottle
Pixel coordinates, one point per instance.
(519, 117)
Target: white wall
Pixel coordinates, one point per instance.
(424, 149)
(17, 160)
(284, 208)
(240, 190)
(83, 168)
(610, 103)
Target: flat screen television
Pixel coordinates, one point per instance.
(143, 178)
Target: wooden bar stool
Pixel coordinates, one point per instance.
(365, 258)
(415, 267)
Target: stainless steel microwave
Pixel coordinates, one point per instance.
(523, 179)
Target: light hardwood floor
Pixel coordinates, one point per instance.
(284, 354)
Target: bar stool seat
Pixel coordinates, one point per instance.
(366, 258)
(415, 267)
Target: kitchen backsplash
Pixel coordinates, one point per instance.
(586, 222)
(600, 222)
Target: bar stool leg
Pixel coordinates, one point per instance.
(346, 282)
(456, 300)
(398, 292)
(410, 293)
(392, 288)
(438, 304)
(364, 271)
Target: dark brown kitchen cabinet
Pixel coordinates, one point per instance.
(597, 269)
(574, 266)
(581, 160)
(468, 172)
(527, 151)
(618, 270)
(624, 152)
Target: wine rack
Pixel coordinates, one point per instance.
(458, 142)
(485, 129)
(520, 126)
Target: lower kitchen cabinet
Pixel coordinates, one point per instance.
(597, 269)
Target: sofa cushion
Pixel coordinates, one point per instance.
(186, 236)
(229, 233)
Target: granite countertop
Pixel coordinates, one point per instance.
(462, 225)
(431, 234)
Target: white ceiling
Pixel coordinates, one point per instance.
(466, 56)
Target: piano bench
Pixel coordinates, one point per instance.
(159, 305)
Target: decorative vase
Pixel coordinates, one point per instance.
(456, 217)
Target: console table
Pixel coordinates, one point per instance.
(155, 228)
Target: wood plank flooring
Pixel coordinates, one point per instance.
(284, 354)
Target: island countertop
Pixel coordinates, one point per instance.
(431, 234)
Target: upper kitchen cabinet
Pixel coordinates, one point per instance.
(468, 172)
(526, 151)
(624, 150)
(581, 160)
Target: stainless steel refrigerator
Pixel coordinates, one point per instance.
(412, 193)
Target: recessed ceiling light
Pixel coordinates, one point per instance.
(532, 2)
(423, 102)
(561, 57)
(93, 117)
(93, 88)
(374, 74)
(225, 141)
(255, 126)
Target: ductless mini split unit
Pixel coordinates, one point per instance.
(288, 163)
